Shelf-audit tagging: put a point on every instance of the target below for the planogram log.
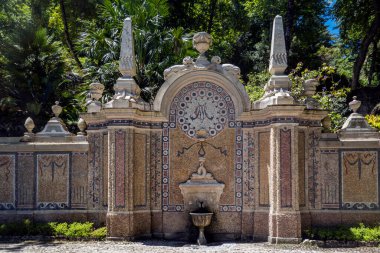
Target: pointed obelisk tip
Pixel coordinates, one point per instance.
(278, 57)
(127, 62)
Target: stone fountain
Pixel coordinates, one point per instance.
(201, 219)
(203, 190)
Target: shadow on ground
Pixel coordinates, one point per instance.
(18, 244)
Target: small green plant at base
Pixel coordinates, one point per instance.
(360, 232)
(79, 230)
(99, 233)
(75, 230)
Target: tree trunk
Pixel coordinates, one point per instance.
(212, 14)
(67, 34)
(364, 45)
(373, 62)
(289, 25)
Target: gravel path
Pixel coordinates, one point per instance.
(157, 246)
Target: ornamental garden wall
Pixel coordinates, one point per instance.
(281, 169)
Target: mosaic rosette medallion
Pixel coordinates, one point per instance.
(202, 106)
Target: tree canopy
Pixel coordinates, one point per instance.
(53, 49)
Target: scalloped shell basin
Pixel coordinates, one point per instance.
(201, 219)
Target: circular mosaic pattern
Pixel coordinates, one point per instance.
(203, 108)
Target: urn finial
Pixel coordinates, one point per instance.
(29, 124)
(82, 126)
(202, 42)
(57, 109)
(354, 104)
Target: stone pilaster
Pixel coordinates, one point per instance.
(129, 205)
(284, 215)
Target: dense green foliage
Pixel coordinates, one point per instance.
(75, 230)
(360, 232)
(53, 49)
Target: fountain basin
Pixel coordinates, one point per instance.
(201, 220)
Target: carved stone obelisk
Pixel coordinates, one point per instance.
(127, 92)
(278, 86)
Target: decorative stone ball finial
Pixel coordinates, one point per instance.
(82, 126)
(216, 60)
(57, 109)
(354, 104)
(202, 42)
(29, 124)
(187, 61)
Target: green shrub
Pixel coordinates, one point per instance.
(355, 233)
(99, 233)
(43, 229)
(373, 120)
(61, 229)
(79, 230)
(72, 230)
(255, 84)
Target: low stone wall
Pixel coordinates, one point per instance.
(46, 181)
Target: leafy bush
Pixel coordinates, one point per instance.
(79, 230)
(373, 120)
(255, 84)
(99, 233)
(70, 231)
(356, 233)
(332, 97)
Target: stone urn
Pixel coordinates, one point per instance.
(201, 220)
(202, 42)
(96, 91)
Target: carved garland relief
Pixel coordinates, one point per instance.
(360, 180)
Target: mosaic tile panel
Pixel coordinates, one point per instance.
(95, 155)
(202, 105)
(8, 181)
(360, 180)
(263, 161)
(120, 176)
(26, 181)
(105, 171)
(79, 180)
(301, 169)
(330, 180)
(53, 173)
(140, 170)
(313, 167)
(286, 168)
(249, 169)
(285, 120)
(156, 167)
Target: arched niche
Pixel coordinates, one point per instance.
(172, 86)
